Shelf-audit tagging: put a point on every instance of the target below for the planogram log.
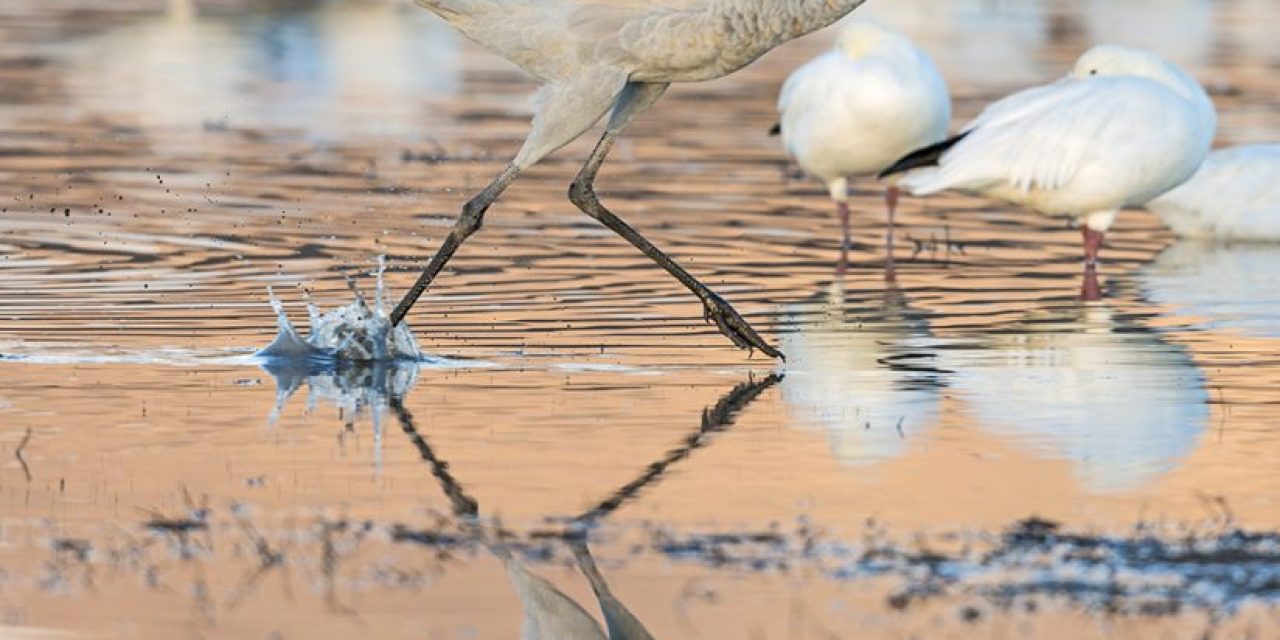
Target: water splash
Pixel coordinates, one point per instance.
(352, 358)
(356, 332)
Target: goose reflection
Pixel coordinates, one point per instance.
(866, 374)
(1082, 384)
(355, 67)
(1012, 32)
(1226, 286)
(548, 612)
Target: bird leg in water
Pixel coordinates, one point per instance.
(633, 100)
(1092, 243)
(1089, 289)
(466, 225)
(890, 268)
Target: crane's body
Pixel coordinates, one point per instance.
(645, 40)
(600, 56)
(854, 110)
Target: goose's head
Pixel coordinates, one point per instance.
(1115, 60)
(862, 38)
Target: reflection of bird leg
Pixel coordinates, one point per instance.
(464, 506)
(891, 202)
(714, 419)
(1090, 291)
(622, 625)
(553, 607)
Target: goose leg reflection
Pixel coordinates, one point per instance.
(1090, 290)
(891, 203)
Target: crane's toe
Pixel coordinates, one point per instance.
(737, 329)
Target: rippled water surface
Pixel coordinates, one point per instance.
(163, 164)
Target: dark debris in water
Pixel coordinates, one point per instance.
(1154, 570)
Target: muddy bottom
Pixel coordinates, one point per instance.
(970, 452)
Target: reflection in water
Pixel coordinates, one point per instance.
(348, 67)
(353, 358)
(865, 374)
(548, 612)
(1224, 286)
(947, 28)
(357, 389)
(1113, 397)
(1256, 38)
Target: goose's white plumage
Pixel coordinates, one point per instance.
(1234, 196)
(1122, 128)
(854, 110)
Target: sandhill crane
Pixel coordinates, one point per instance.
(599, 56)
(1122, 128)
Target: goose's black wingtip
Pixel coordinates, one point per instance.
(923, 157)
(776, 130)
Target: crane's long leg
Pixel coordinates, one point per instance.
(466, 225)
(635, 99)
(565, 111)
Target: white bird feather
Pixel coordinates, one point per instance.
(1234, 196)
(854, 110)
(1122, 128)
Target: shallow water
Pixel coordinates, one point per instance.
(173, 485)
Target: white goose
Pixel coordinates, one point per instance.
(856, 109)
(1234, 196)
(1122, 128)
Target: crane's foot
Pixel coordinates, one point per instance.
(732, 325)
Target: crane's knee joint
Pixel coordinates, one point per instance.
(582, 193)
(472, 217)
